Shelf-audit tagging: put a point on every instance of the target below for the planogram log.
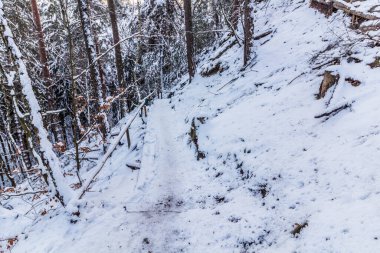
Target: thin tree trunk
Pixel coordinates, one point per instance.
(235, 14)
(215, 15)
(74, 123)
(94, 68)
(91, 53)
(189, 38)
(248, 31)
(6, 163)
(118, 54)
(52, 119)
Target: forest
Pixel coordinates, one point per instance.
(149, 126)
(72, 69)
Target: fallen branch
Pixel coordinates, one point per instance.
(263, 35)
(21, 194)
(295, 78)
(233, 43)
(155, 211)
(111, 149)
(133, 166)
(333, 61)
(334, 111)
(229, 82)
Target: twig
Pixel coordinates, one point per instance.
(21, 194)
(263, 35)
(106, 52)
(155, 211)
(326, 63)
(295, 78)
(334, 111)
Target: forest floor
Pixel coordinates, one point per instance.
(276, 176)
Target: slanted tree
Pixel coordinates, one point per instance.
(44, 155)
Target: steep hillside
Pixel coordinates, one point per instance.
(260, 159)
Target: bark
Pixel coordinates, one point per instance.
(248, 31)
(73, 91)
(102, 86)
(116, 40)
(20, 141)
(5, 163)
(214, 9)
(91, 53)
(118, 54)
(52, 119)
(189, 38)
(95, 76)
(235, 13)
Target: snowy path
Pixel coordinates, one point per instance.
(168, 176)
(170, 205)
(176, 206)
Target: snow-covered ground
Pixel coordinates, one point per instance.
(269, 163)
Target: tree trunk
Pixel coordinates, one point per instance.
(235, 14)
(215, 15)
(189, 38)
(248, 31)
(73, 92)
(118, 55)
(91, 53)
(116, 40)
(95, 75)
(6, 163)
(52, 119)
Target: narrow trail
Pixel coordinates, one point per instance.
(167, 179)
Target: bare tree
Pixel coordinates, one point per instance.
(52, 119)
(91, 52)
(118, 55)
(235, 13)
(94, 67)
(189, 38)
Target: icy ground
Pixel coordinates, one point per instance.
(269, 163)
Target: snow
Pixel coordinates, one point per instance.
(269, 162)
(56, 179)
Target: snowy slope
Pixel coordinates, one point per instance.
(269, 163)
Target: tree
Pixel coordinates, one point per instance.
(91, 53)
(57, 131)
(235, 14)
(118, 55)
(47, 160)
(95, 75)
(248, 31)
(189, 38)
